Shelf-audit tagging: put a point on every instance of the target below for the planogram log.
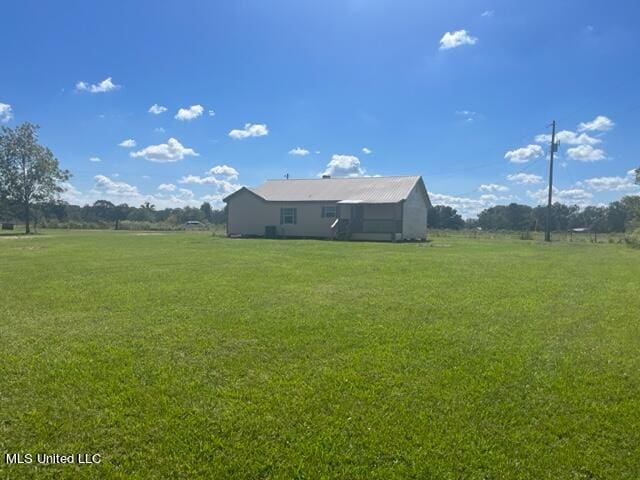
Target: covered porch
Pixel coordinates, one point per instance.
(358, 220)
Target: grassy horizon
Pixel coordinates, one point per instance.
(184, 355)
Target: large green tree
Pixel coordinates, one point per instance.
(29, 172)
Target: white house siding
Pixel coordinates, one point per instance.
(249, 215)
(414, 216)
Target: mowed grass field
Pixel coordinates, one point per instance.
(183, 355)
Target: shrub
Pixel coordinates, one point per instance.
(633, 239)
(526, 235)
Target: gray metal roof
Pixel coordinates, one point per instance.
(363, 189)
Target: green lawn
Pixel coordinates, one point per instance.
(183, 355)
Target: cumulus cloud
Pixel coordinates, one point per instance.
(212, 113)
(185, 194)
(128, 143)
(157, 109)
(167, 187)
(221, 177)
(221, 187)
(224, 171)
(467, 207)
(104, 86)
(366, 150)
(586, 153)
(105, 185)
(249, 130)
(299, 151)
(493, 187)
(568, 137)
(105, 188)
(524, 154)
(469, 115)
(572, 196)
(524, 178)
(172, 151)
(598, 124)
(95, 159)
(6, 113)
(456, 39)
(344, 166)
(605, 184)
(188, 114)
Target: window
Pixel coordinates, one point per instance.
(288, 216)
(329, 211)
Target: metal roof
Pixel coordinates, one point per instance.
(361, 189)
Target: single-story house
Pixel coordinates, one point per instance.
(358, 208)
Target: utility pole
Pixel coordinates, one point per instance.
(554, 147)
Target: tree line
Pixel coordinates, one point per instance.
(31, 180)
(618, 216)
(104, 213)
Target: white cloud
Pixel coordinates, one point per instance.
(159, 130)
(221, 186)
(586, 153)
(568, 137)
(185, 194)
(456, 39)
(224, 171)
(493, 187)
(157, 109)
(249, 130)
(299, 151)
(167, 187)
(71, 194)
(222, 176)
(524, 178)
(570, 196)
(6, 113)
(212, 113)
(524, 154)
(344, 166)
(487, 13)
(95, 159)
(598, 124)
(105, 185)
(366, 150)
(468, 115)
(489, 197)
(104, 86)
(604, 184)
(467, 207)
(188, 114)
(172, 151)
(128, 143)
(198, 180)
(106, 188)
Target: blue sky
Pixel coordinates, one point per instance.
(456, 91)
